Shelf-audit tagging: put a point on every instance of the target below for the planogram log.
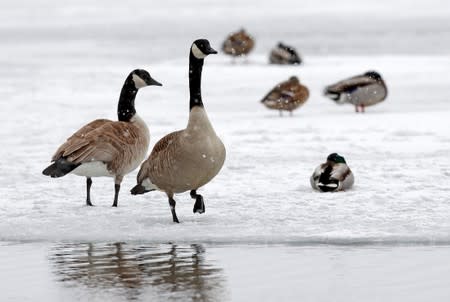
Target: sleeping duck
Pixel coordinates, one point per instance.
(238, 44)
(363, 90)
(288, 95)
(333, 175)
(284, 55)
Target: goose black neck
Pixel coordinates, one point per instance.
(125, 109)
(195, 81)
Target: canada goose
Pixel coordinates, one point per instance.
(333, 175)
(362, 90)
(104, 147)
(288, 95)
(186, 159)
(284, 54)
(238, 44)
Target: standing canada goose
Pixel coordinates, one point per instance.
(187, 159)
(238, 44)
(288, 95)
(363, 90)
(284, 55)
(104, 147)
(333, 175)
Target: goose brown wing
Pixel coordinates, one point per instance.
(100, 140)
(162, 150)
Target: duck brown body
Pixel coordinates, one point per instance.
(288, 95)
(238, 44)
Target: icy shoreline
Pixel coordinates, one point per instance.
(398, 151)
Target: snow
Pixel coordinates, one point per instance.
(63, 66)
(398, 151)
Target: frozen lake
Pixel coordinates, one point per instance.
(62, 65)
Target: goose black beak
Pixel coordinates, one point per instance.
(210, 51)
(153, 82)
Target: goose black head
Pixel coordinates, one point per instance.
(142, 78)
(201, 48)
(336, 158)
(374, 75)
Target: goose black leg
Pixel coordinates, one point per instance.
(172, 204)
(88, 191)
(117, 181)
(116, 194)
(199, 206)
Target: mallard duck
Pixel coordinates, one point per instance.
(104, 147)
(238, 44)
(333, 175)
(284, 54)
(362, 90)
(288, 96)
(188, 159)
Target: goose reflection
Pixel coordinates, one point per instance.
(131, 270)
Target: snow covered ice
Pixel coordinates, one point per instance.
(64, 65)
(398, 151)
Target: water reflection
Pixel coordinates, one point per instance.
(131, 270)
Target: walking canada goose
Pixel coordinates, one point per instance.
(187, 159)
(238, 44)
(362, 90)
(104, 147)
(288, 95)
(284, 54)
(333, 175)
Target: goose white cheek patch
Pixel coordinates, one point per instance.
(138, 82)
(197, 52)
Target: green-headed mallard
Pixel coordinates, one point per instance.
(333, 175)
(363, 90)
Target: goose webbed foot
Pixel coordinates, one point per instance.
(172, 204)
(199, 205)
(88, 192)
